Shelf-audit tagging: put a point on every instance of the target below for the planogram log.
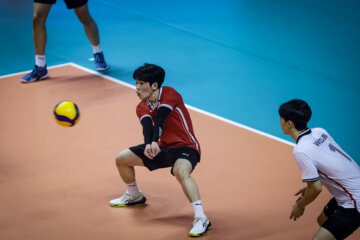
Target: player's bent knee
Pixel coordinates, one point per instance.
(323, 234)
(128, 158)
(121, 159)
(181, 174)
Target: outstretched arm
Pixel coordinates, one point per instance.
(308, 194)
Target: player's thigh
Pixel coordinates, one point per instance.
(128, 158)
(41, 10)
(182, 167)
(83, 14)
(321, 218)
(323, 234)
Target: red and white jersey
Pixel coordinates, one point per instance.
(320, 157)
(178, 130)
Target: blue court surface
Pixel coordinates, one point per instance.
(237, 59)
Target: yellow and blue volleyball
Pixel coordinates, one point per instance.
(66, 113)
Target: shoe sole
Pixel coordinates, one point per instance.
(201, 234)
(102, 69)
(130, 204)
(35, 79)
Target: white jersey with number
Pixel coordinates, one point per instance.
(319, 157)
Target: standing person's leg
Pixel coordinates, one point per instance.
(41, 12)
(92, 33)
(89, 24)
(125, 162)
(182, 170)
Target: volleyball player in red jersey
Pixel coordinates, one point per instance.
(169, 141)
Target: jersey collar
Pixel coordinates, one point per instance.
(306, 132)
(157, 101)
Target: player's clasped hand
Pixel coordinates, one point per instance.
(152, 150)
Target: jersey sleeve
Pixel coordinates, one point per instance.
(170, 99)
(141, 112)
(307, 167)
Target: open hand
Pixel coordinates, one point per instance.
(302, 192)
(296, 212)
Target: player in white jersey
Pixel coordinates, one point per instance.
(322, 161)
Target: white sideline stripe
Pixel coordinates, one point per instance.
(103, 76)
(240, 125)
(28, 71)
(188, 106)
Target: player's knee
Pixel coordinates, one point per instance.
(180, 174)
(120, 159)
(317, 237)
(39, 18)
(85, 19)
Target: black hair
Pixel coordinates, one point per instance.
(297, 111)
(150, 73)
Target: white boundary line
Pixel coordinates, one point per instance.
(188, 106)
(240, 125)
(103, 76)
(24, 72)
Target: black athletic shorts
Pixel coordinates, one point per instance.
(341, 222)
(167, 157)
(69, 3)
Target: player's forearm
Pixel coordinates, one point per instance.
(161, 115)
(147, 130)
(312, 191)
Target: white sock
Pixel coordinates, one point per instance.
(132, 188)
(40, 60)
(198, 209)
(96, 49)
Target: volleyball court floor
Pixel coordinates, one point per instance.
(56, 182)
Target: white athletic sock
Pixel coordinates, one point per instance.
(198, 209)
(40, 60)
(96, 49)
(132, 188)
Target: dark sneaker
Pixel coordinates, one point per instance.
(100, 64)
(38, 73)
